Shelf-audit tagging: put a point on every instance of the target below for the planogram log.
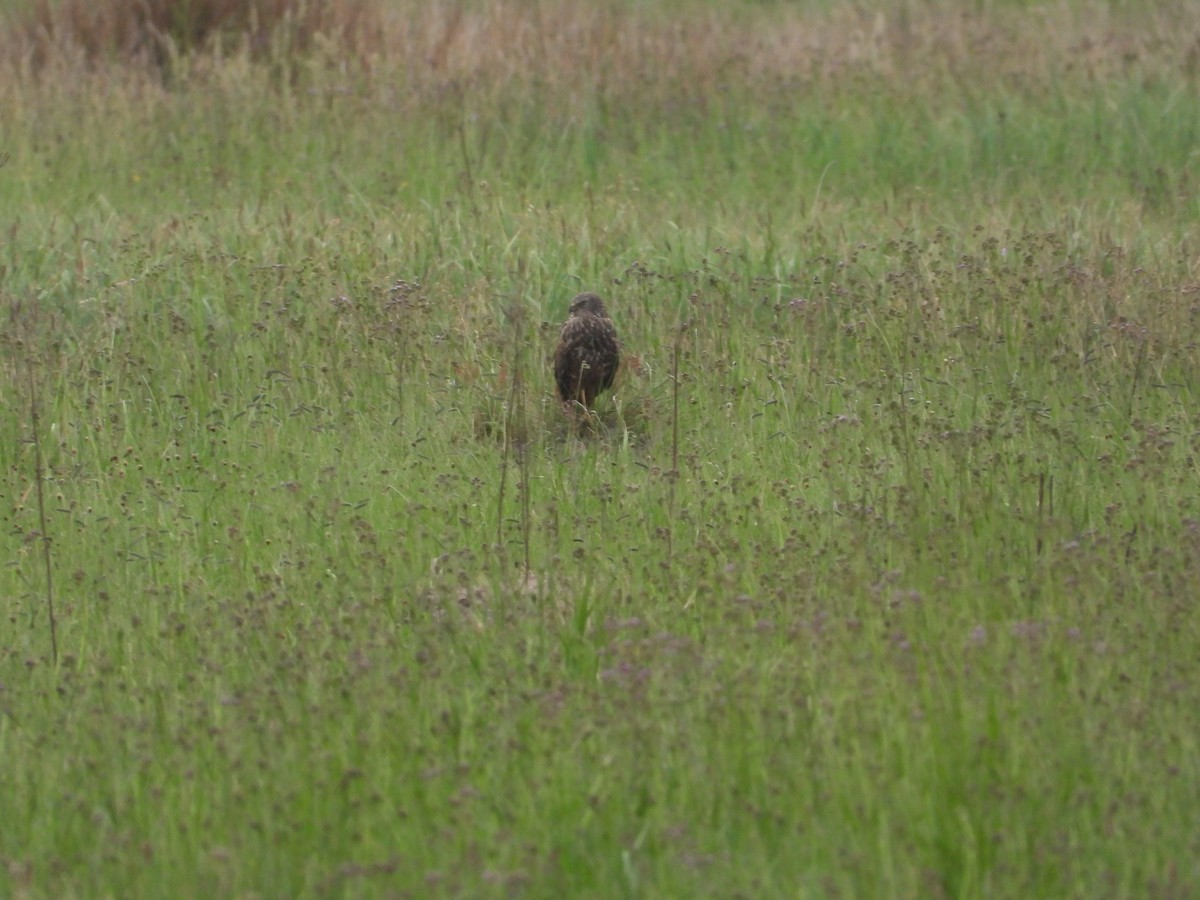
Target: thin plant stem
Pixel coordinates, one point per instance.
(41, 501)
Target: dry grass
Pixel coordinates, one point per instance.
(695, 46)
(709, 44)
(153, 32)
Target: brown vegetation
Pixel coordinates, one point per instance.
(152, 32)
(611, 44)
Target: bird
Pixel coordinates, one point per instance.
(588, 354)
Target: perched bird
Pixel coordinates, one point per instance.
(587, 357)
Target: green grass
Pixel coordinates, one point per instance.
(905, 609)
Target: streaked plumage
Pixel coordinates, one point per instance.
(588, 355)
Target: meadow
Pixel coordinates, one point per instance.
(874, 576)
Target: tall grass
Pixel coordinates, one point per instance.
(873, 577)
(159, 33)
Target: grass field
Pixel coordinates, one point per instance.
(874, 576)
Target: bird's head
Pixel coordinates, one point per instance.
(588, 304)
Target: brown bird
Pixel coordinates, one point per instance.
(588, 356)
